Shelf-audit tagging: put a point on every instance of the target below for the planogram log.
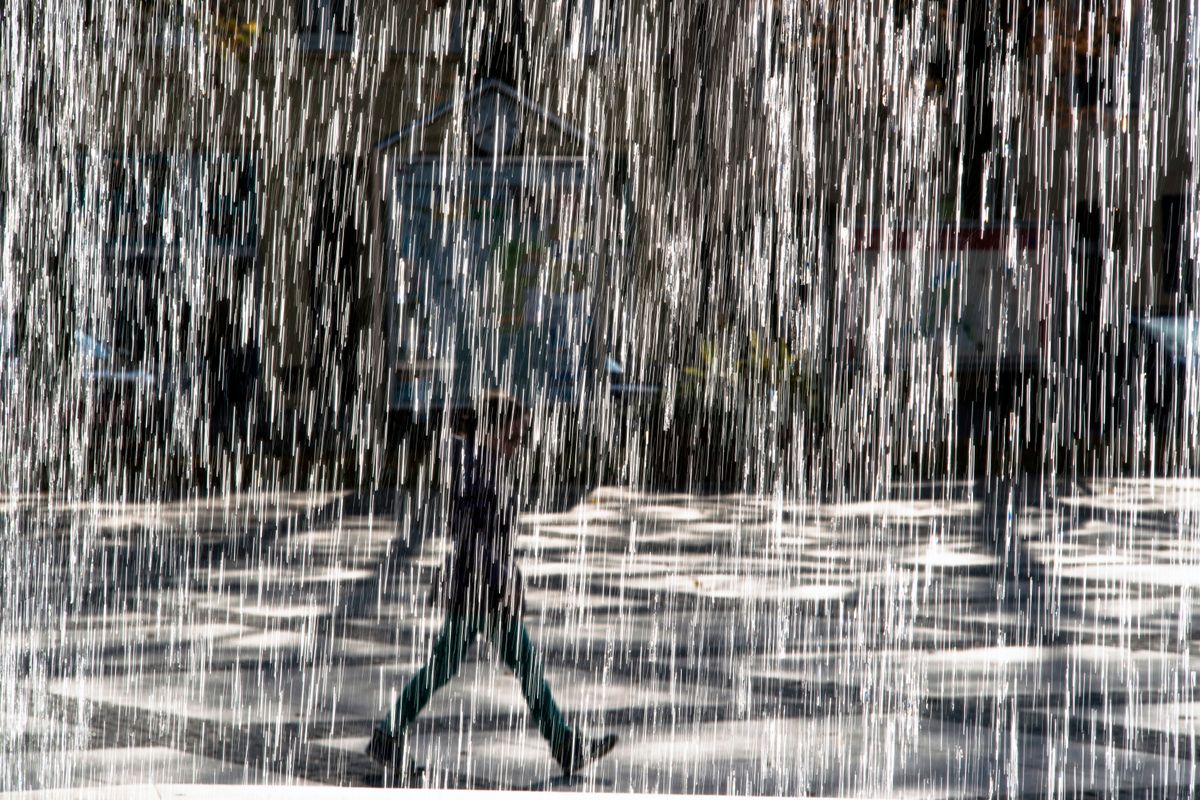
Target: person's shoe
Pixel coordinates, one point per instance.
(575, 752)
(388, 751)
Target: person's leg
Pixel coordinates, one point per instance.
(458, 632)
(509, 635)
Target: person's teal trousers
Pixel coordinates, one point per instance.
(507, 634)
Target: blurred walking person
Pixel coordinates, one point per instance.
(483, 594)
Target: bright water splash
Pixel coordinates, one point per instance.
(917, 278)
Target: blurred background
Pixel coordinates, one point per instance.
(737, 243)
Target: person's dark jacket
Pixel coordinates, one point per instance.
(480, 574)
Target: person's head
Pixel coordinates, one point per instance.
(502, 423)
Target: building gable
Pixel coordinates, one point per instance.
(491, 121)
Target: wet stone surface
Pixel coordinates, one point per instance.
(958, 641)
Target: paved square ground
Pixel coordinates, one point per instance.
(951, 641)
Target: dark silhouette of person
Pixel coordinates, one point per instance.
(483, 594)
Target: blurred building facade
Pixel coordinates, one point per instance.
(282, 107)
(750, 139)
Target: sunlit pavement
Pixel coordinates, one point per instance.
(955, 641)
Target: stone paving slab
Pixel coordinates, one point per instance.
(123, 766)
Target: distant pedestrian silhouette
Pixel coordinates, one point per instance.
(482, 590)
